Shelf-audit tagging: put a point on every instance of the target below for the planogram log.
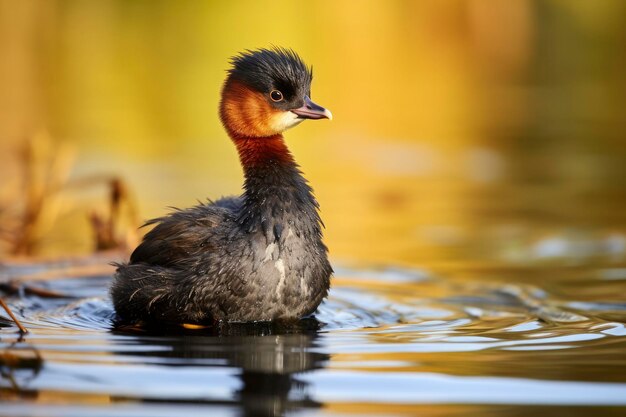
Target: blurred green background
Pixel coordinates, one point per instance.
(465, 130)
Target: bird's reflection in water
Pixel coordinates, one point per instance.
(269, 357)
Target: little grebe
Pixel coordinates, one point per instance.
(256, 257)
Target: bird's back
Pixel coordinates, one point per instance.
(180, 246)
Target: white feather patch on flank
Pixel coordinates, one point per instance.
(269, 252)
(285, 120)
(303, 287)
(280, 266)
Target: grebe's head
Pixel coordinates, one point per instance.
(266, 92)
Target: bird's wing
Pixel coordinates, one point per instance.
(179, 236)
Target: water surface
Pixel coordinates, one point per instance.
(387, 342)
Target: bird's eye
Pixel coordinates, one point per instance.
(276, 95)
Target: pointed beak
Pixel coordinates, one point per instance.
(311, 110)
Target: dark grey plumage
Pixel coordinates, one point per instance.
(251, 258)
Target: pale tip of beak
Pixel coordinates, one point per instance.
(328, 114)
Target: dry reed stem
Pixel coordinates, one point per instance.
(45, 169)
(10, 313)
(15, 287)
(31, 207)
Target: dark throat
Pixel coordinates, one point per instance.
(276, 195)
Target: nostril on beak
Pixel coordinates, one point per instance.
(310, 110)
(308, 104)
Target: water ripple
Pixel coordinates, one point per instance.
(398, 335)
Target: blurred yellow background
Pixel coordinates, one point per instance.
(490, 131)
